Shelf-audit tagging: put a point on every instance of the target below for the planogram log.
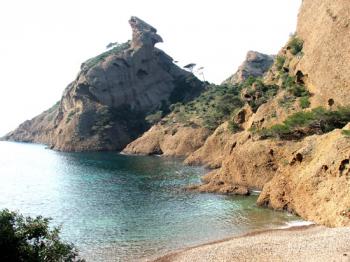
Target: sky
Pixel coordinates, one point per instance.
(44, 42)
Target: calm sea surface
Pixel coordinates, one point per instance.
(123, 208)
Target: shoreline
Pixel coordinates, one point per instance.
(271, 245)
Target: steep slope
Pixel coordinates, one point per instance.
(324, 26)
(297, 153)
(106, 106)
(185, 130)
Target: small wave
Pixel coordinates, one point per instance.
(298, 223)
(255, 192)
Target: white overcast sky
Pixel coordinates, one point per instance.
(43, 42)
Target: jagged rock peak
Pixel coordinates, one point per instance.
(143, 34)
(256, 64)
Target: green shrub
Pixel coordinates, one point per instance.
(212, 107)
(286, 101)
(298, 90)
(249, 81)
(261, 93)
(280, 60)
(346, 133)
(155, 117)
(295, 45)
(97, 59)
(304, 102)
(233, 127)
(316, 121)
(31, 239)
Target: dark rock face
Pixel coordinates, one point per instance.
(105, 107)
(256, 65)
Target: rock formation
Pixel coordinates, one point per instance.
(105, 107)
(308, 176)
(172, 137)
(256, 64)
(324, 26)
(267, 133)
(307, 170)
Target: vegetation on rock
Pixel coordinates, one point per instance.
(305, 123)
(220, 103)
(101, 57)
(295, 44)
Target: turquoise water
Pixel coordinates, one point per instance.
(123, 208)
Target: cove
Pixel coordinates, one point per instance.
(123, 208)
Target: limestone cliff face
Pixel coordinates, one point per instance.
(324, 26)
(309, 176)
(314, 181)
(256, 65)
(105, 107)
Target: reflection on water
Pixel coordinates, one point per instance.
(120, 208)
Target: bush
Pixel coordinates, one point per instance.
(280, 62)
(214, 106)
(298, 90)
(260, 93)
(316, 121)
(295, 45)
(346, 133)
(155, 117)
(31, 239)
(233, 127)
(97, 59)
(304, 102)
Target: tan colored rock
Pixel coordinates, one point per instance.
(316, 182)
(324, 26)
(213, 150)
(172, 140)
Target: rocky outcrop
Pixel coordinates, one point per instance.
(256, 65)
(105, 107)
(308, 176)
(315, 180)
(174, 138)
(324, 27)
(169, 140)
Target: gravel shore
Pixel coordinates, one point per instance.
(308, 243)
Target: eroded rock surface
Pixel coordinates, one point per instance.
(105, 107)
(324, 26)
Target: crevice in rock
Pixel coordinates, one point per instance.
(232, 147)
(298, 158)
(330, 102)
(344, 165)
(300, 77)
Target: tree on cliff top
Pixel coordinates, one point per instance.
(31, 240)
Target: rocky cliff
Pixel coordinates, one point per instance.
(106, 106)
(286, 134)
(324, 27)
(296, 152)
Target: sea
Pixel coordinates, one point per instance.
(115, 207)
